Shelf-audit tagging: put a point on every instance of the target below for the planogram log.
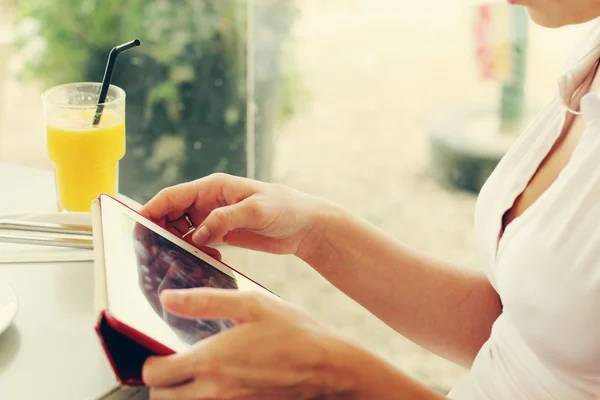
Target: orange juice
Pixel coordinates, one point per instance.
(85, 157)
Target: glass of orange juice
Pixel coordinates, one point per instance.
(85, 155)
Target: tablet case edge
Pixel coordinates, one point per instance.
(126, 348)
(100, 287)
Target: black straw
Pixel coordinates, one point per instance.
(108, 73)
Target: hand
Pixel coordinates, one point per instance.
(275, 352)
(240, 212)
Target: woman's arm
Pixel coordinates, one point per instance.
(445, 309)
(369, 377)
(442, 308)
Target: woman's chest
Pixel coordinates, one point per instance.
(548, 170)
(548, 280)
(546, 267)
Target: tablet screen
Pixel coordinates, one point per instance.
(142, 260)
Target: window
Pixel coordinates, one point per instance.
(336, 98)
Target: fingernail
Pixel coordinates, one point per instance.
(201, 235)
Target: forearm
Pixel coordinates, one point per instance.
(355, 374)
(442, 308)
(379, 381)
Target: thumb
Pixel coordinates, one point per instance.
(222, 220)
(211, 251)
(213, 304)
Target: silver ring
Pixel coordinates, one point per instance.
(191, 228)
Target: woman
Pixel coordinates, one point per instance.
(527, 329)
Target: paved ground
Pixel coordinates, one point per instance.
(376, 72)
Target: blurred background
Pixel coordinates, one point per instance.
(396, 109)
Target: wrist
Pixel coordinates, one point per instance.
(354, 373)
(341, 367)
(324, 217)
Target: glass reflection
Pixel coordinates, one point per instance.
(164, 265)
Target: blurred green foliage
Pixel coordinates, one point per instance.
(186, 84)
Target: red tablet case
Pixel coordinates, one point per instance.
(126, 348)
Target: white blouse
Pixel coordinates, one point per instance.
(546, 266)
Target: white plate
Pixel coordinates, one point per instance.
(8, 306)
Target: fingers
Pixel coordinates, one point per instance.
(181, 225)
(213, 304)
(211, 251)
(169, 370)
(205, 194)
(198, 389)
(245, 214)
(170, 203)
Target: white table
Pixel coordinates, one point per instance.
(51, 351)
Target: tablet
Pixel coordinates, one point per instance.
(141, 259)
